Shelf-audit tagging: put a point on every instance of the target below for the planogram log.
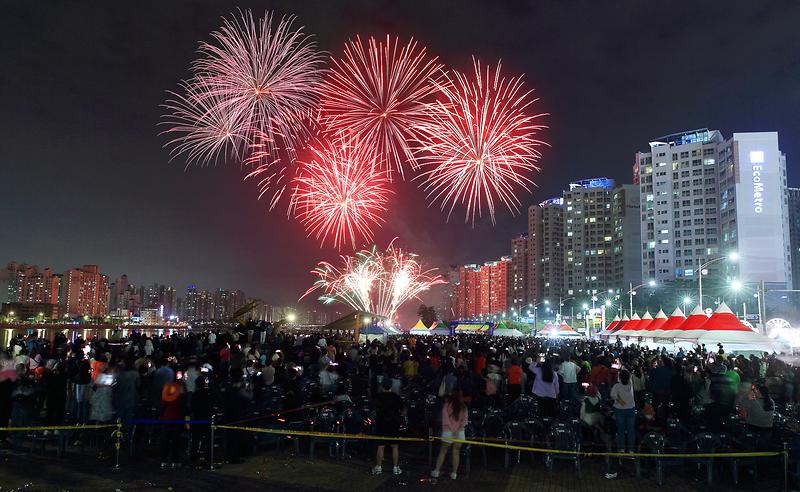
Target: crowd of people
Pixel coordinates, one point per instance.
(616, 391)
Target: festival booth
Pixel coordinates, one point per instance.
(641, 326)
(694, 321)
(625, 327)
(547, 328)
(501, 330)
(610, 331)
(610, 327)
(563, 331)
(420, 329)
(723, 327)
(471, 327)
(439, 328)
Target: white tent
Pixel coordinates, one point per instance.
(507, 332)
(419, 329)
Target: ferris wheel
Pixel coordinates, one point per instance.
(776, 325)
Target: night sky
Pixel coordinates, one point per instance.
(85, 178)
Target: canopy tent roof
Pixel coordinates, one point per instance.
(640, 327)
(625, 320)
(659, 321)
(613, 324)
(696, 319)
(723, 319)
(676, 319)
(439, 328)
(547, 327)
(631, 325)
(562, 330)
(507, 332)
(419, 324)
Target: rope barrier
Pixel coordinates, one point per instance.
(368, 437)
(156, 421)
(331, 435)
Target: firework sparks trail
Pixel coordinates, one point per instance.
(479, 142)
(267, 75)
(253, 93)
(377, 282)
(202, 130)
(340, 193)
(377, 94)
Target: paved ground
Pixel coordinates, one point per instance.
(272, 471)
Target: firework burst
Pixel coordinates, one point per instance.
(377, 282)
(202, 130)
(339, 193)
(257, 80)
(479, 142)
(377, 95)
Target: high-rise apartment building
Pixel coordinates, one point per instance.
(190, 303)
(546, 250)
(518, 293)
(703, 196)
(625, 209)
(483, 290)
(679, 194)
(754, 208)
(85, 291)
(27, 284)
(589, 263)
(794, 233)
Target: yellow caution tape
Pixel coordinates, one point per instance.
(746, 454)
(320, 434)
(750, 454)
(57, 427)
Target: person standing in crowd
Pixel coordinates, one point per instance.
(454, 420)
(545, 387)
(624, 412)
(172, 411)
(514, 376)
(389, 410)
(758, 410)
(82, 380)
(569, 373)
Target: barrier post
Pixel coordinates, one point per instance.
(211, 444)
(786, 467)
(117, 443)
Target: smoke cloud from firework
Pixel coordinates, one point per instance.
(374, 281)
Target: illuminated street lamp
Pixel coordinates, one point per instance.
(632, 291)
(686, 300)
(732, 256)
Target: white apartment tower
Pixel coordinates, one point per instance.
(703, 197)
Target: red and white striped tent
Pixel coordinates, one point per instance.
(696, 319)
(658, 322)
(610, 331)
(640, 327)
(563, 330)
(612, 325)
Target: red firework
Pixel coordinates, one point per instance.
(340, 193)
(377, 95)
(479, 141)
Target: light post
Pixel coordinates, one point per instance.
(733, 256)
(561, 304)
(585, 319)
(632, 291)
(535, 307)
(686, 300)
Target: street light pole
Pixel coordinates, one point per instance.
(731, 256)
